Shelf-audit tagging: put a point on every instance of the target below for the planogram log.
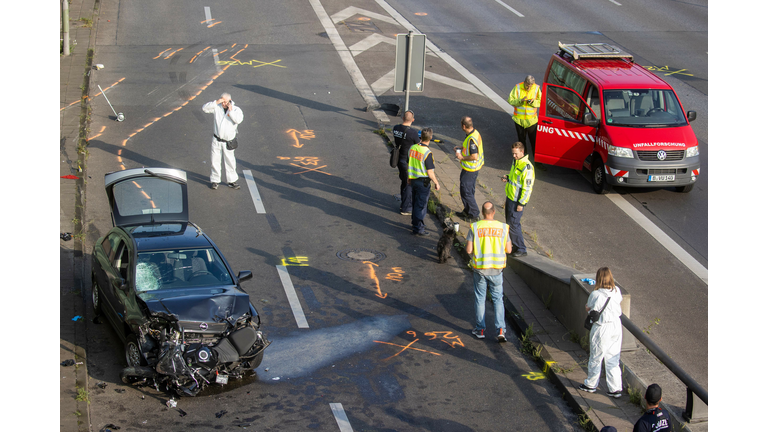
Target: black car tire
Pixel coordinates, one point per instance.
(95, 295)
(257, 360)
(133, 355)
(599, 183)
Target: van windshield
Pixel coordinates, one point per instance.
(642, 108)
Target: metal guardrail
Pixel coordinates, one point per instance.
(694, 388)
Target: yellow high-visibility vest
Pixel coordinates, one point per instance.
(417, 155)
(489, 241)
(520, 184)
(476, 164)
(526, 115)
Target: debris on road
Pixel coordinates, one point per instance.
(68, 362)
(221, 413)
(181, 412)
(66, 236)
(101, 385)
(120, 390)
(109, 427)
(171, 403)
(77, 318)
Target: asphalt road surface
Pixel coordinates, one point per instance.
(388, 329)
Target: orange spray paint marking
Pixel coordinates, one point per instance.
(312, 169)
(306, 134)
(233, 55)
(211, 25)
(375, 279)
(171, 54)
(159, 54)
(405, 347)
(136, 184)
(145, 194)
(397, 274)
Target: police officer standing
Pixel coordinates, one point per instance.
(405, 137)
(518, 190)
(488, 244)
(526, 98)
(421, 169)
(471, 156)
(655, 419)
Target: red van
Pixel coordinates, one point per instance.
(603, 112)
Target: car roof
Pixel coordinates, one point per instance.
(168, 236)
(616, 73)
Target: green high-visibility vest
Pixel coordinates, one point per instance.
(417, 155)
(489, 241)
(520, 184)
(476, 164)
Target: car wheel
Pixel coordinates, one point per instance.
(133, 354)
(257, 360)
(684, 189)
(599, 182)
(95, 295)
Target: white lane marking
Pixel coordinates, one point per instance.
(373, 40)
(490, 94)
(207, 14)
(383, 84)
(293, 299)
(451, 82)
(341, 417)
(254, 192)
(351, 11)
(506, 6)
(349, 62)
(675, 249)
(612, 1)
(216, 59)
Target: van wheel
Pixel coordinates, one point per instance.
(684, 189)
(599, 182)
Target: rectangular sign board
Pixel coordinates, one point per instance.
(417, 58)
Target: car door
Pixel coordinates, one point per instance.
(562, 138)
(117, 274)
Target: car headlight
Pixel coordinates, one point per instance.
(620, 151)
(692, 151)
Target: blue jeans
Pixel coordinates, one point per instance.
(513, 218)
(494, 283)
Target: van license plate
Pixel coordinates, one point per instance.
(669, 177)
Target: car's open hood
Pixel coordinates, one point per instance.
(226, 304)
(147, 196)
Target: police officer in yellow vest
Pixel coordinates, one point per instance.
(518, 190)
(488, 244)
(472, 158)
(421, 169)
(526, 98)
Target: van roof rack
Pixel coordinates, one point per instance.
(595, 50)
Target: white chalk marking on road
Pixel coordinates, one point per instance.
(349, 62)
(341, 417)
(656, 232)
(351, 11)
(254, 192)
(293, 299)
(207, 14)
(490, 94)
(507, 6)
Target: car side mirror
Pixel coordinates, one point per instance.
(691, 115)
(244, 276)
(119, 283)
(590, 120)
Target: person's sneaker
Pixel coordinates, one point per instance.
(616, 394)
(501, 336)
(583, 387)
(234, 185)
(214, 186)
(519, 254)
(480, 334)
(406, 213)
(423, 233)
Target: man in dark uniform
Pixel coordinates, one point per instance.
(421, 170)
(471, 158)
(405, 137)
(655, 419)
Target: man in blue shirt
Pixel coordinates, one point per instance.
(655, 419)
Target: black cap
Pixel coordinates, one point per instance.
(608, 429)
(653, 394)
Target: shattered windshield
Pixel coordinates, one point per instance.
(180, 268)
(642, 108)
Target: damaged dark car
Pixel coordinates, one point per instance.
(167, 290)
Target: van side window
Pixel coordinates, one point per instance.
(565, 104)
(562, 76)
(593, 100)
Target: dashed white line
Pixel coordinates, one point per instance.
(507, 6)
(293, 299)
(612, 1)
(207, 14)
(341, 417)
(254, 192)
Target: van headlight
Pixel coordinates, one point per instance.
(692, 151)
(620, 151)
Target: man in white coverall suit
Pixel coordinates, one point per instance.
(226, 118)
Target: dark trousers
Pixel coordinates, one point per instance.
(420, 198)
(513, 218)
(530, 134)
(406, 204)
(467, 181)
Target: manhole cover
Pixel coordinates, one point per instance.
(361, 255)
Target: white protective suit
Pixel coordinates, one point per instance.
(605, 339)
(225, 126)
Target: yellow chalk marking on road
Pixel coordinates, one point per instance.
(533, 376)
